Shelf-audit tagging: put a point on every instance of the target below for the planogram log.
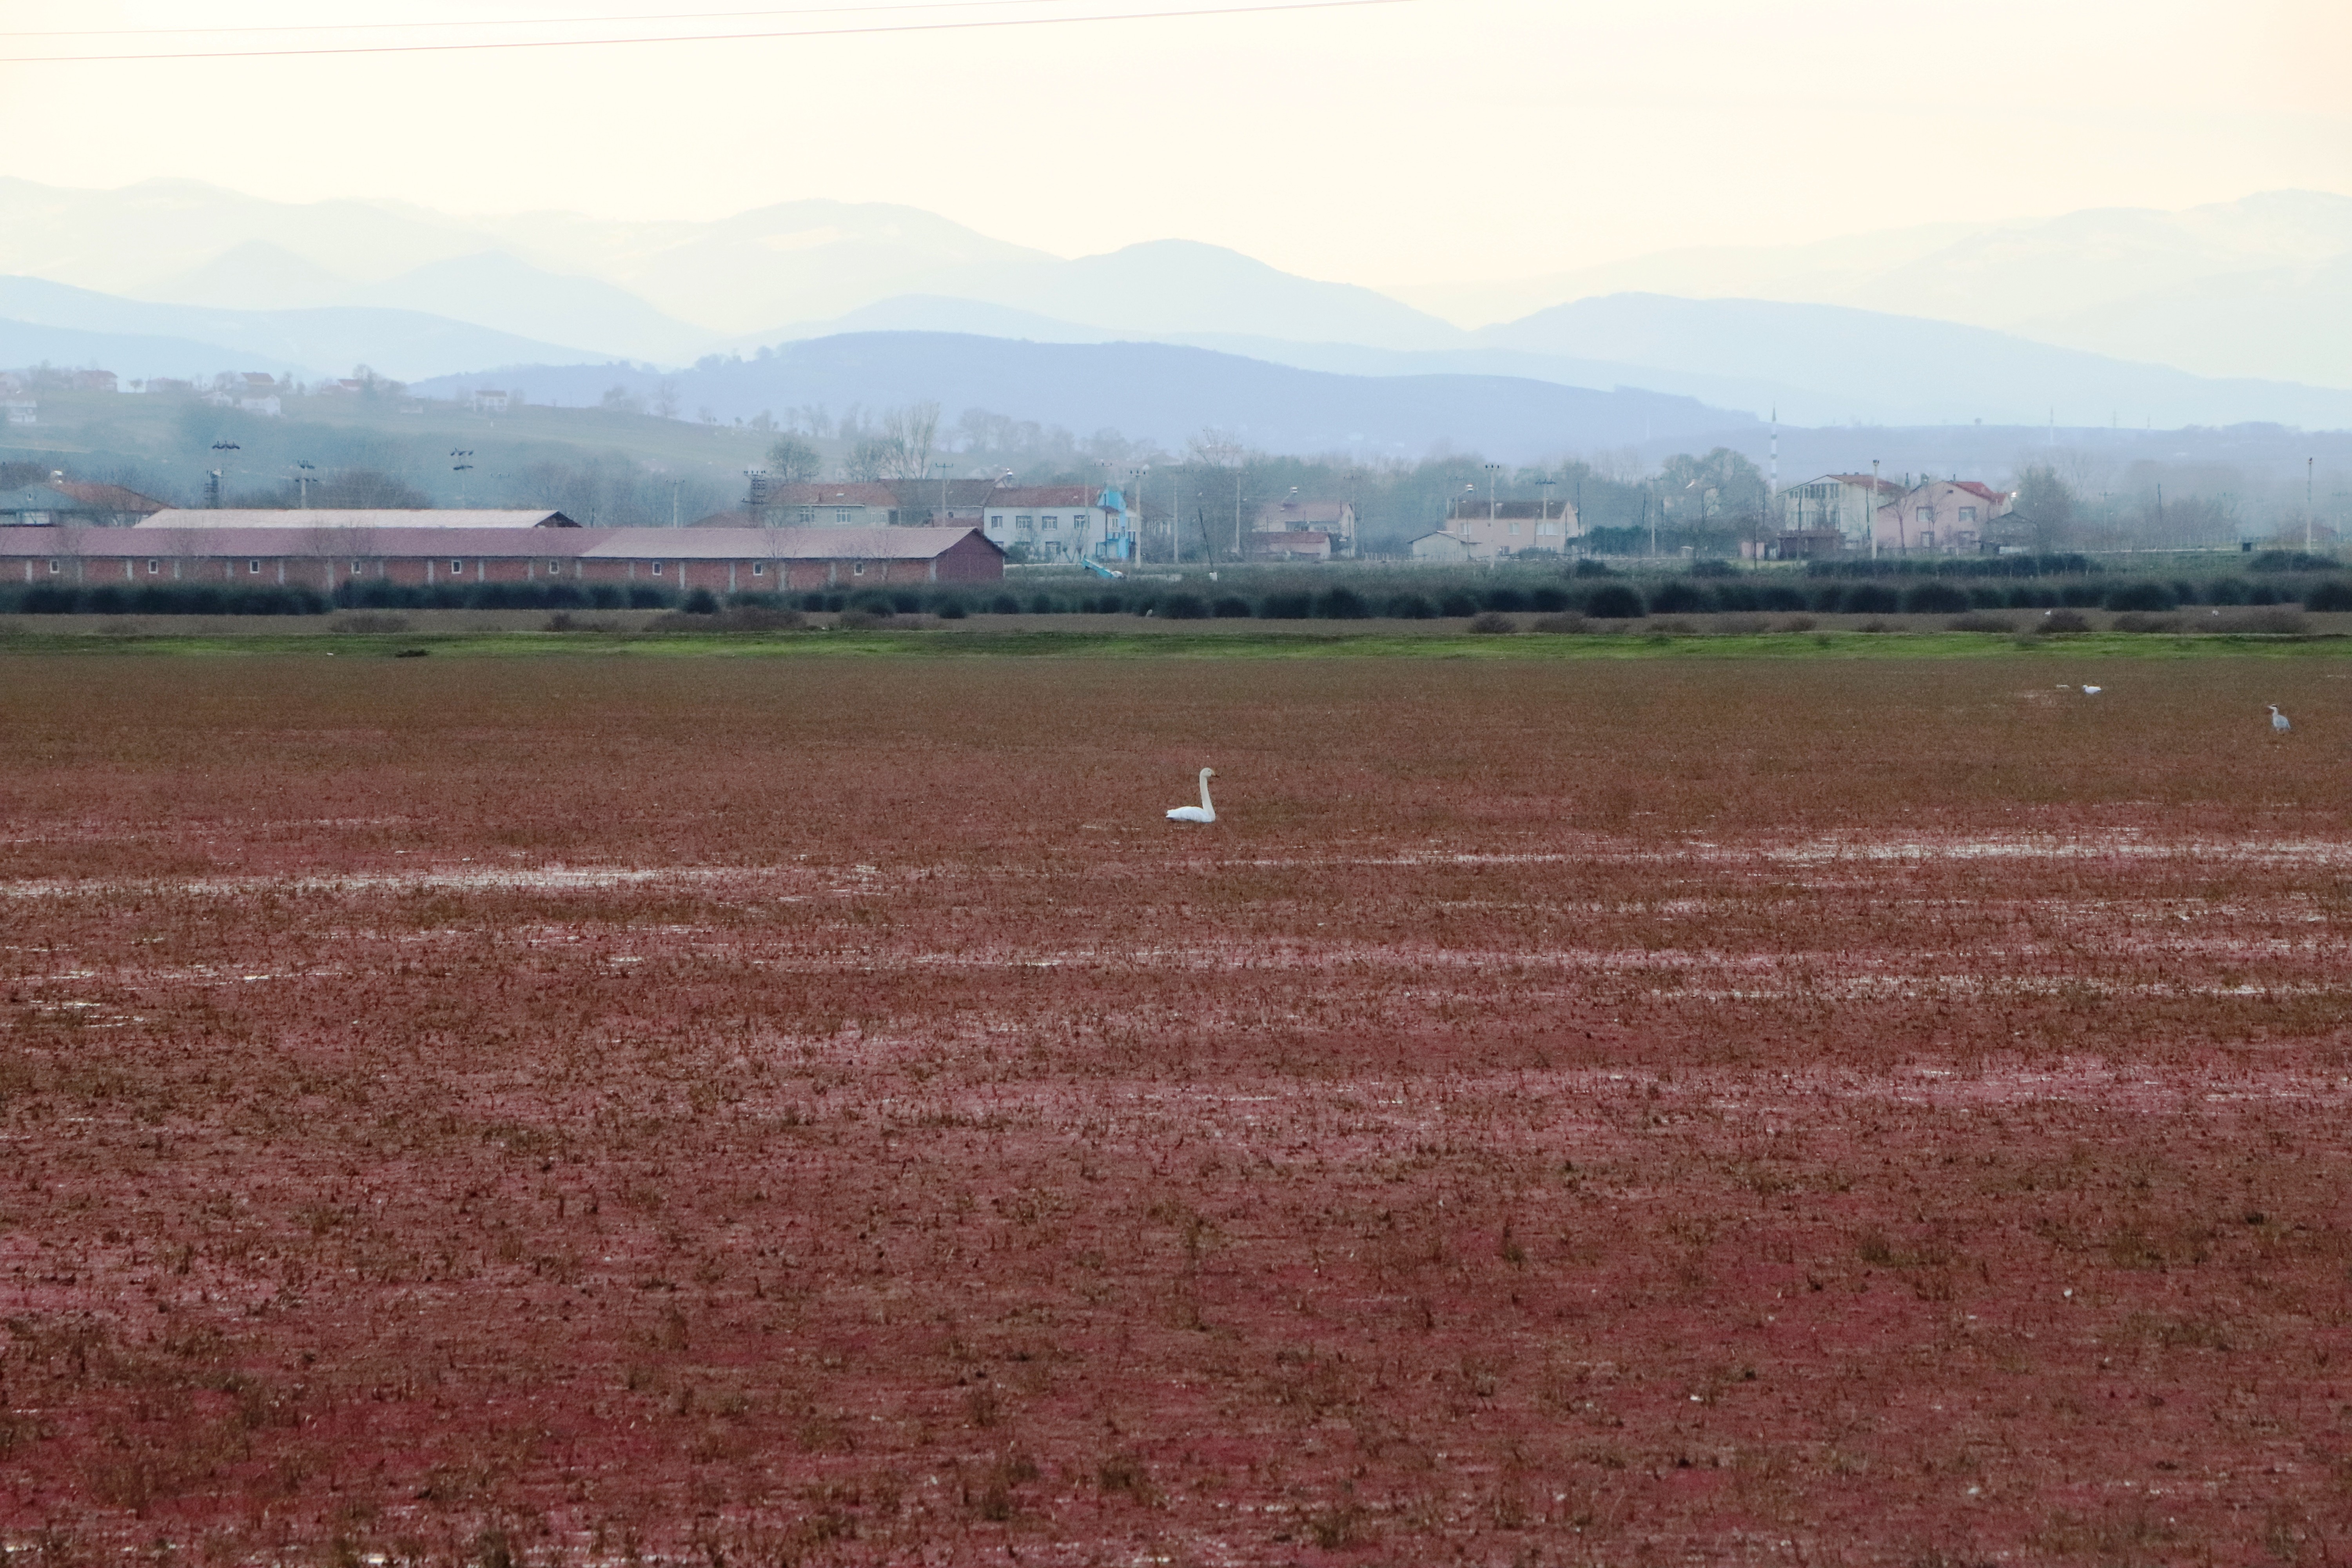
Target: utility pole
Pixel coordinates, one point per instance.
(1135, 519)
(1870, 512)
(2306, 504)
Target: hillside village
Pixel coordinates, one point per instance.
(247, 438)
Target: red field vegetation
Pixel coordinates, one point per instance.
(813, 1111)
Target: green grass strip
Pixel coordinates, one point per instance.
(1335, 643)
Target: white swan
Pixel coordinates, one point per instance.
(1203, 812)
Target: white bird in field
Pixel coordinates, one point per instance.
(2093, 691)
(2279, 726)
(1203, 812)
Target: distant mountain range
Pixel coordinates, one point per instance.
(1812, 365)
(314, 342)
(1152, 391)
(1938, 323)
(2256, 288)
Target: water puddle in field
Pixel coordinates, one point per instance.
(2127, 845)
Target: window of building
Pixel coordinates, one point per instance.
(658, 568)
(555, 568)
(843, 514)
(759, 568)
(1968, 514)
(1025, 523)
(996, 522)
(355, 568)
(456, 569)
(1927, 515)
(1052, 522)
(1515, 529)
(252, 568)
(857, 569)
(808, 514)
(1927, 541)
(153, 567)
(56, 567)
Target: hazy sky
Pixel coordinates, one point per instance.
(1415, 141)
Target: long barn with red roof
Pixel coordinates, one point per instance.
(327, 549)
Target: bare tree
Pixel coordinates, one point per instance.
(908, 437)
(792, 462)
(2044, 513)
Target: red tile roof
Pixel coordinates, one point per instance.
(490, 543)
(106, 497)
(352, 517)
(838, 493)
(777, 544)
(1015, 496)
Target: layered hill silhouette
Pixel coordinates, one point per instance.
(1157, 391)
(2066, 319)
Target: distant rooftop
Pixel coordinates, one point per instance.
(351, 517)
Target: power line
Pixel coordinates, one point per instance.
(515, 21)
(1267, 6)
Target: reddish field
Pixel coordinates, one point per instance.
(805, 1110)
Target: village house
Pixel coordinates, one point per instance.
(1060, 522)
(61, 502)
(835, 503)
(885, 503)
(1296, 544)
(1841, 503)
(942, 502)
(1940, 517)
(1276, 532)
(1487, 531)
